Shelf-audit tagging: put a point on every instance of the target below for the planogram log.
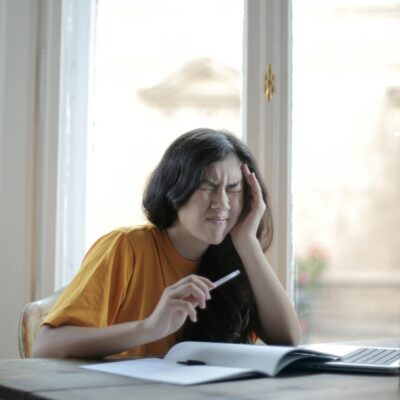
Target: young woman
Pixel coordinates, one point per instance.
(142, 289)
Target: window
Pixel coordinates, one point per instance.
(346, 168)
(229, 69)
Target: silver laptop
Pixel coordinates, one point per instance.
(381, 360)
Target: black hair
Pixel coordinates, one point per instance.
(231, 315)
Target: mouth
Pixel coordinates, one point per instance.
(217, 220)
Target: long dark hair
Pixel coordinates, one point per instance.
(231, 314)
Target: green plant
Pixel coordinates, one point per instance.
(309, 269)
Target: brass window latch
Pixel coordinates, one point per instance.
(269, 83)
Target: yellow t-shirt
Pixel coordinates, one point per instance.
(122, 279)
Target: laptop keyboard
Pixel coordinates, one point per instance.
(372, 355)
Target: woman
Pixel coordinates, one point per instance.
(140, 290)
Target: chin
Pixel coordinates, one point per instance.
(217, 240)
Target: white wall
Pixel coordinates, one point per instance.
(18, 38)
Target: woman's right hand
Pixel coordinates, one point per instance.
(178, 302)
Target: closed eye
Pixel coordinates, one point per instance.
(207, 185)
(235, 187)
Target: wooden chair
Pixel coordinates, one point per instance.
(30, 320)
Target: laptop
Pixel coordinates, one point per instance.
(352, 358)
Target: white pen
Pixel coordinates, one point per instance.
(225, 279)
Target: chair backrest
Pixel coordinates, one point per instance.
(30, 320)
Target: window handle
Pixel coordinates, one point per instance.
(269, 83)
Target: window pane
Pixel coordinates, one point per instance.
(346, 168)
(161, 68)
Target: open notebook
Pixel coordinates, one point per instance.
(189, 363)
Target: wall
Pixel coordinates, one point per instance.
(18, 27)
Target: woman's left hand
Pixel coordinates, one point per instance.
(247, 224)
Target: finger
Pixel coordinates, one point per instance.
(255, 187)
(257, 192)
(247, 173)
(178, 305)
(201, 281)
(194, 281)
(196, 296)
(190, 289)
(251, 177)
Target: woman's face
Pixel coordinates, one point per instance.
(215, 207)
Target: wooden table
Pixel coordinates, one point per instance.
(63, 379)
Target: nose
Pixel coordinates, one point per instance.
(220, 200)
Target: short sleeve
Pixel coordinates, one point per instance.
(94, 296)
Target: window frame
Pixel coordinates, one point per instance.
(267, 125)
(65, 34)
(76, 45)
(49, 63)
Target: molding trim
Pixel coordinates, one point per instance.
(267, 125)
(48, 114)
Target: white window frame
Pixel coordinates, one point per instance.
(77, 36)
(64, 52)
(267, 125)
(49, 63)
